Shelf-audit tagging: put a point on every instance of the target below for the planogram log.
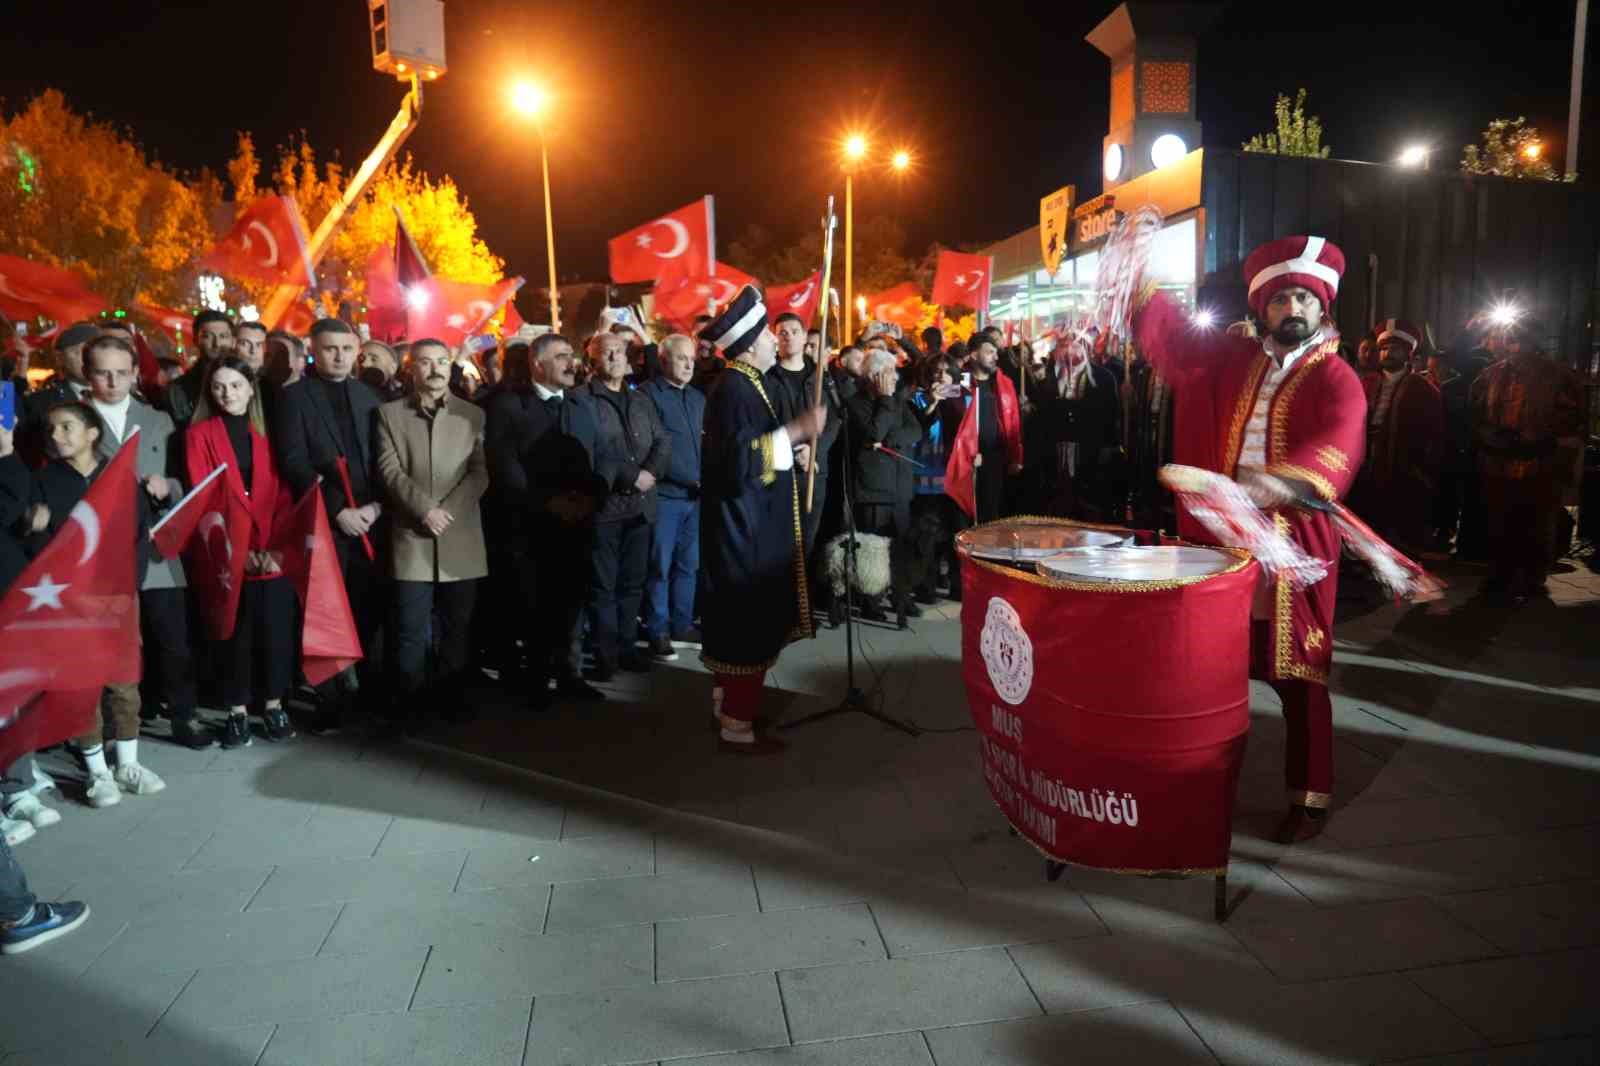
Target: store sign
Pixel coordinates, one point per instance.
(1096, 226)
(1055, 213)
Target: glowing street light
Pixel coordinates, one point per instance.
(902, 159)
(855, 146)
(1534, 150)
(1415, 155)
(1504, 315)
(855, 150)
(1204, 318)
(532, 100)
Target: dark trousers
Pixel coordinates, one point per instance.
(616, 587)
(15, 899)
(1308, 746)
(499, 600)
(421, 608)
(991, 486)
(256, 664)
(168, 664)
(552, 567)
(892, 520)
(1522, 517)
(364, 584)
(674, 566)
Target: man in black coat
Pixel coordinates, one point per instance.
(323, 427)
(1086, 414)
(882, 417)
(631, 452)
(540, 442)
(792, 385)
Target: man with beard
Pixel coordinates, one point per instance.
(1405, 438)
(752, 550)
(999, 453)
(1284, 417)
(213, 335)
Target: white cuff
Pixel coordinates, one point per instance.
(782, 450)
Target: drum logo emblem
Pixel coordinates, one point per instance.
(1007, 652)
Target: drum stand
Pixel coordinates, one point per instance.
(1219, 900)
(854, 699)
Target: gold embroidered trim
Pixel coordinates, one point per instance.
(1317, 800)
(769, 463)
(1242, 559)
(1323, 486)
(717, 666)
(1242, 411)
(1283, 659)
(1313, 639)
(1278, 417)
(1333, 458)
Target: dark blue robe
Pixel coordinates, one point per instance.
(755, 594)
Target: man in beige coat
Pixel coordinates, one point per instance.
(430, 457)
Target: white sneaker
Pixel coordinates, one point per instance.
(15, 832)
(102, 791)
(135, 780)
(27, 808)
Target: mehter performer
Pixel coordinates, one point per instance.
(752, 553)
(1285, 417)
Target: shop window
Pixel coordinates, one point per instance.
(1165, 87)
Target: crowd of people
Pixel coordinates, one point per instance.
(510, 514)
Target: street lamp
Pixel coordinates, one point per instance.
(855, 147)
(532, 100)
(1415, 155)
(1534, 150)
(902, 160)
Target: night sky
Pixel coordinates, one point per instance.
(659, 104)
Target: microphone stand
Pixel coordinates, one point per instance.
(854, 699)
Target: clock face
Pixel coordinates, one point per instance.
(1113, 162)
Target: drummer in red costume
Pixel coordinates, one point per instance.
(1405, 442)
(1281, 415)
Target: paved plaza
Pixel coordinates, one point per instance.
(596, 886)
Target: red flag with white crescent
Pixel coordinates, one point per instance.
(901, 305)
(29, 290)
(680, 302)
(409, 266)
(328, 639)
(676, 246)
(802, 298)
(267, 242)
(453, 310)
(69, 625)
(212, 526)
(962, 280)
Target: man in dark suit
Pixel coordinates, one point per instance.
(323, 427)
(675, 543)
(541, 447)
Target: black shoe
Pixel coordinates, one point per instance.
(836, 613)
(872, 611)
(192, 735)
(634, 663)
(601, 673)
(689, 638)
(662, 651)
(911, 609)
(577, 691)
(926, 595)
(236, 732)
(277, 724)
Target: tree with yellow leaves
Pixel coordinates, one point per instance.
(435, 212)
(81, 194)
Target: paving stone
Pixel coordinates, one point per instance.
(485, 1034)
(455, 918)
(517, 966)
(1535, 918)
(1579, 1051)
(829, 879)
(182, 946)
(1370, 823)
(1123, 902)
(113, 1009)
(1322, 942)
(322, 987)
(1526, 998)
(1151, 1032)
(749, 943)
(901, 1049)
(174, 896)
(334, 834)
(1134, 967)
(393, 877)
(661, 1022)
(207, 1047)
(629, 900)
(1355, 1019)
(915, 921)
(549, 862)
(898, 995)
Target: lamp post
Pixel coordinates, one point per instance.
(855, 150)
(532, 101)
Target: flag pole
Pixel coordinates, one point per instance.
(829, 222)
(191, 494)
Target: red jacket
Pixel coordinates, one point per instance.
(206, 446)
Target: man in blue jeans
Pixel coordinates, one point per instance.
(675, 545)
(25, 922)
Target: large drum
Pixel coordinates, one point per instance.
(1111, 688)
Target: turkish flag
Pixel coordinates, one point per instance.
(29, 290)
(267, 242)
(69, 625)
(328, 640)
(409, 266)
(673, 247)
(680, 302)
(386, 307)
(512, 321)
(452, 310)
(901, 305)
(214, 526)
(959, 471)
(962, 280)
(176, 323)
(802, 298)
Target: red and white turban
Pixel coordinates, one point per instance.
(1399, 330)
(1312, 263)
